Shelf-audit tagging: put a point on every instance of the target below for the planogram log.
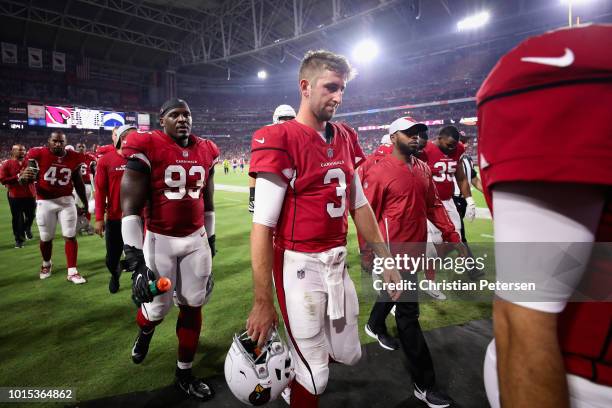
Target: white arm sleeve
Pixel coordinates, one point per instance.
(358, 198)
(209, 223)
(544, 234)
(270, 191)
(131, 231)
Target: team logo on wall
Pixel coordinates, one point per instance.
(259, 396)
(58, 116)
(112, 119)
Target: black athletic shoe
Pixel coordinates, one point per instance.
(113, 284)
(194, 387)
(141, 346)
(475, 274)
(28, 235)
(433, 399)
(18, 244)
(387, 342)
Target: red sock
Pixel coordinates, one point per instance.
(301, 398)
(430, 274)
(144, 323)
(46, 247)
(188, 326)
(71, 248)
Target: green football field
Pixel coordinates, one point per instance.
(56, 334)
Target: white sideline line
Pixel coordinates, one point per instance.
(481, 213)
(232, 199)
(487, 236)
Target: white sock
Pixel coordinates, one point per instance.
(72, 271)
(183, 366)
(46, 263)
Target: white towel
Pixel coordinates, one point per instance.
(333, 260)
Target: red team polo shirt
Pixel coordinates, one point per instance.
(9, 176)
(108, 186)
(178, 175)
(314, 213)
(403, 199)
(443, 167)
(55, 172)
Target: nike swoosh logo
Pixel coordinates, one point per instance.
(260, 140)
(563, 61)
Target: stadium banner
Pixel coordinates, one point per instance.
(59, 61)
(86, 118)
(18, 115)
(36, 115)
(515, 271)
(144, 121)
(131, 118)
(58, 116)
(9, 53)
(35, 57)
(111, 119)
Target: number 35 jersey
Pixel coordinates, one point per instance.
(54, 172)
(178, 176)
(443, 167)
(319, 174)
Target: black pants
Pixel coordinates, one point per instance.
(114, 246)
(23, 211)
(461, 205)
(411, 336)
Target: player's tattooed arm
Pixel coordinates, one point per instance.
(134, 191)
(462, 181)
(79, 187)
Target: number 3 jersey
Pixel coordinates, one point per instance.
(178, 175)
(54, 172)
(319, 174)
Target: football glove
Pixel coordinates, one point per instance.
(141, 275)
(211, 244)
(470, 211)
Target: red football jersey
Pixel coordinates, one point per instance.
(54, 172)
(178, 175)
(102, 150)
(109, 172)
(9, 176)
(443, 168)
(315, 209)
(403, 199)
(535, 99)
(86, 168)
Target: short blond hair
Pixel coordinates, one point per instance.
(315, 61)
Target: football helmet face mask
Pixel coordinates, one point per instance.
(257, 376)
(283, 111)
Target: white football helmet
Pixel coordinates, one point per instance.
(283, 111)
(256, 376)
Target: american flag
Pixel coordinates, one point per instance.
(82, 69)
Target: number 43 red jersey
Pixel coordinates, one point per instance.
(315, 208)
(54, 172)
(178, 175)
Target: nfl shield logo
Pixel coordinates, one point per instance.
(185, 153)
(330, 152)
(301, 273)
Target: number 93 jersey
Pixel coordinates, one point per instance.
(54, 172)
(178, 176)
(319, 175)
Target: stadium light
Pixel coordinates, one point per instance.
(262, 74)
(574, 2)
(475, 21)
(365, 51)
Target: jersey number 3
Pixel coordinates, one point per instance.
(339, 175)
(180, 183)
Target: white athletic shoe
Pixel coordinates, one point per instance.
(45, 271)
(436, 294)
(76, 279)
